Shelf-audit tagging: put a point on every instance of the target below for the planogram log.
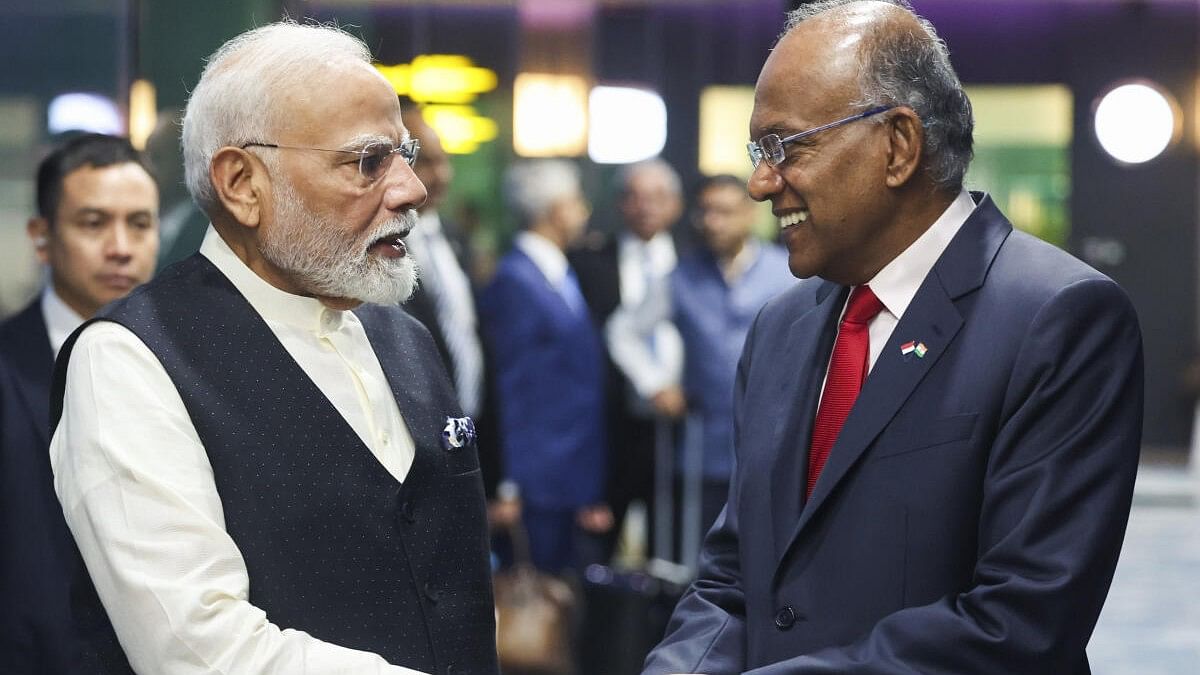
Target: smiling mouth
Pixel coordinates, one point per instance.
(794, 218)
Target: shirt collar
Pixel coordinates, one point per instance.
(271, 303)
(548, 257)
(897, 283)
(60, 319)
(659, 249)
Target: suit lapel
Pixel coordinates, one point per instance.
(809, 342)
(931, 318)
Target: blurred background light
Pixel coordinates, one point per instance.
(79, 111)
(143, 112)
(1135, 122)
(459, 127)
(725, 129)
(550, 116)
(627, 125)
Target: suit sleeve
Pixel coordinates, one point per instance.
(1055, 501)
(707, 631)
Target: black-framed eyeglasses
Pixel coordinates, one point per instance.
(374, 159)
(771, 146)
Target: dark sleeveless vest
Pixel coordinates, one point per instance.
(334, 545)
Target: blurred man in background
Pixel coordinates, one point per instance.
(617, 274)
(549, 366)
(260, 455)
(716, 293)
(96, 232)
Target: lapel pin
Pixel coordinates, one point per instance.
(908, 349)
(459, 432)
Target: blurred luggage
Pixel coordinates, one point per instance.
(534, 616)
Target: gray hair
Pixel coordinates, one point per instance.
(532, 186)
(626, 173)
(912, 69)
(234, 102)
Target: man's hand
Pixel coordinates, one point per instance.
(670, 402)
(503, 513)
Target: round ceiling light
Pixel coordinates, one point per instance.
(1136, 122)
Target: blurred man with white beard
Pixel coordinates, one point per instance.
(260, 456)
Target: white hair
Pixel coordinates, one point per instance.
(234, 102)
(532, 186)
(629, 172)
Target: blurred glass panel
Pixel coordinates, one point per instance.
(1023, 136)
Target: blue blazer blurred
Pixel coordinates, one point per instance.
(549, 370)
(36, 549)
(970, 514)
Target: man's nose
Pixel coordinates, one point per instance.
(764, 181)
(119, 244)
(403, 190)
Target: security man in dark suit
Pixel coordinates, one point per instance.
(96, 231)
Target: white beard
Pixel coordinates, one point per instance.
(328, 262)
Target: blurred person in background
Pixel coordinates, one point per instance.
(260, 455)
(937, 432)
(716, 293)
(549, 367)
(618, 274)
(96, 231)
(444, 302)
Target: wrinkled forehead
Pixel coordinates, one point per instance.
(343, 105)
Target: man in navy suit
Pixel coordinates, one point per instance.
(96, 231)
(549, 366)
(966, 512)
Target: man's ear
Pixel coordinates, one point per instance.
(906, 146)
(38, 229)
(240, 181)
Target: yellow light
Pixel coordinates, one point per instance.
(460, 128)
(550, 115)
(143, 112)
(725, 129)
(439, 78)
(1007, 115)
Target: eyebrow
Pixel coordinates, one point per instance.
(362, 140)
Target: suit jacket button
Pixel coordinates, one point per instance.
(785, 618)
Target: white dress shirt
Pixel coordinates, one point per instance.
(649, 355)
(138, 493)
(60, 319)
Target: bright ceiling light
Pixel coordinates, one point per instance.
(83, 112)
(549, 115)
(1135, 122)
(627, 125)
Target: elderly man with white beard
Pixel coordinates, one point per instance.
(260, 456)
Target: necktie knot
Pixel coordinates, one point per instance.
(863, 306)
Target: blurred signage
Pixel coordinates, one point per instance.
(446, 85)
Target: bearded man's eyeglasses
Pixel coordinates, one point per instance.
(771, 146)
(374, 159)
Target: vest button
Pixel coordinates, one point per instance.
(432, 593)
(406, 512)
(785, 618)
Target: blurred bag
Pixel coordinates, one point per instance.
(533, 616)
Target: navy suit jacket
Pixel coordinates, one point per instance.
(971, 512)
(36, 548)
(549, 370)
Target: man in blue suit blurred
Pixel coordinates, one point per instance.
(97, 232)
(937, 434)
(549, 366)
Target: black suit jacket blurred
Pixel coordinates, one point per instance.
(36, 548)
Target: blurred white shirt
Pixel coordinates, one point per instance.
(138, 493)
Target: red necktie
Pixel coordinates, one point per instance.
(847, 371)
